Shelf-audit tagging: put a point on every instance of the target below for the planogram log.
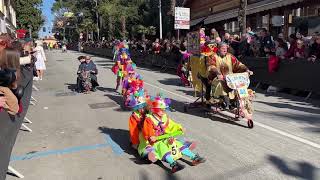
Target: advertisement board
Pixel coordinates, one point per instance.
(182, 18)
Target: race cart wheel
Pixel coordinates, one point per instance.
(185, 108)
(250, 123)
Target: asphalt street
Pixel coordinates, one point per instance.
(85, 136)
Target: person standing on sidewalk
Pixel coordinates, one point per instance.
(40, 63)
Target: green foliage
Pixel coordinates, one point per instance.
(118, 18)
(29, 15)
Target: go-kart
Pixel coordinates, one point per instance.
(240, 98)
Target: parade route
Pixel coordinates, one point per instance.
(85, 136)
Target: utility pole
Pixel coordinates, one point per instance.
(97, 14)
(160, 17)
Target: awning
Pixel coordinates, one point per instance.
(222, 16)
(196, 21)
(269, 4)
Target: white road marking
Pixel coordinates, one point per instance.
(291, 136)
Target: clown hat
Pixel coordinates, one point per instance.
(158, 103)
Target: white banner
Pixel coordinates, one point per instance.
(182, 18)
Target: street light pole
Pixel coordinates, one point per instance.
(160, 17)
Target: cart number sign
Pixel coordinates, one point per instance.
(238, 80)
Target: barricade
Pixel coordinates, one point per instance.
(298, 74)
(10, 125)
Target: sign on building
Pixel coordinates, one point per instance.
(182, 18)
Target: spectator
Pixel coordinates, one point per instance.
(286, 44)
(266, 43)
(214, 34)
(227, 38)
(218, 40)
(315, 50)
(280, 48)
(40, 63)
(298, 51)
(88, 65)
(9, 62)
(244, 46)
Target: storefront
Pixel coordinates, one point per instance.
(278, 16)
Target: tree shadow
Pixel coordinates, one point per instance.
(312, 119)
(171, 82)
(305, 170)
(314, 100)
(290, 106)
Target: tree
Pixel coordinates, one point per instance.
(140, 29)
(87, 25)
(29, 15)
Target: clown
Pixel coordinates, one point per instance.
(120, 67)
(132, 85)
(157, 124)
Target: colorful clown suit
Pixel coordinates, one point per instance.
(120, 67)
(156, 124)
(132, 89)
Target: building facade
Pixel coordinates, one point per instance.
(8, 21)
(278, 16)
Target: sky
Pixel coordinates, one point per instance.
(46, 11)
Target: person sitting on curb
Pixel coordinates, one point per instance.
(88, 65)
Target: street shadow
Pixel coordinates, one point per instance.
(286, 95)
(290, 106)
(11, 174)
(72, 87)
(119, 100)
(305, 170)
(171, 81)
(105, 65)
(105, 89)
(312, 119)
(201, 111)
(120, 137)
(188, 92)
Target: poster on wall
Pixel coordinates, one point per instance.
(193, 42)
(182, 18)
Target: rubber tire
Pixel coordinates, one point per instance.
(250, 124)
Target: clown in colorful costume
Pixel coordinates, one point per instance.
(156, 124)
(219, 65)
(120, 68)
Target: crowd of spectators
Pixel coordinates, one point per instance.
(252, 44)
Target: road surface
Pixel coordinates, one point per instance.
(78, 136)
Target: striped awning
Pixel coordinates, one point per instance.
(268, 4)
(222, 16)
